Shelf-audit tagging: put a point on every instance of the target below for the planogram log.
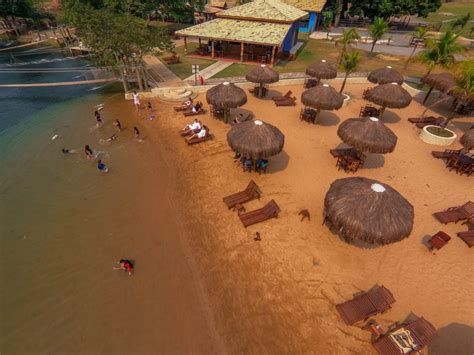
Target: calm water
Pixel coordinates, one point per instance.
(63, 225)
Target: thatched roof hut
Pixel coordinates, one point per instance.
(389, 95)
(255, 139)
(385, 76)
(443, 81)
(226, 96)
(262, 75)
(322, 97)
(467, 139)
(321, 70)
(367, 210)
(367, 134)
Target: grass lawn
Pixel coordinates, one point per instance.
(315, 50)
(184, 69)
(458, 9)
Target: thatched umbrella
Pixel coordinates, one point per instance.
(467, 139)
(367, 210)
(255, 139)
(322, 97)
(367, 134)
(443, 82)
(385, 76)
(389, 95)
(226, 96)
(262, 75)
(321, 70)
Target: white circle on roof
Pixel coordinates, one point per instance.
(375, 119)
(226, 83)
(326, 85)
(323, 60)
(258, 122)
(377, 187)
(394, 83)
(389, 66)
(263, 65)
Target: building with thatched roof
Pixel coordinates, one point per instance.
(313, 8)
(258, 31)
(213, 7)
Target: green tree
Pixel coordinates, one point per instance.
(326, 21)
(441, 51)
(377, 30)
(348, 36)
(420, 35)
(349, 64)
(389, 8)
(461, 21)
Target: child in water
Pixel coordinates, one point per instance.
(102, 167)
(125, 265)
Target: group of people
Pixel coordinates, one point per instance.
(189, 106)
(248, 163)
(195, 130)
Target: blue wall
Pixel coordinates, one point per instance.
(291, 37)
(313, 16)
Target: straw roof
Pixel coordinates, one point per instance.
(385, 75)
(367, 210)
(322, 97)
(264, 10)
(307, 5)
(255, 139)
(389, 95)
(321, 70)
(467, 139)
(265, 33)
(367, 134)
(262, 75)
(443, 82)
(226, 95)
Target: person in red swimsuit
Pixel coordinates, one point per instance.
(125, 265)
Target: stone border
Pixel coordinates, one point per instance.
(430, 138)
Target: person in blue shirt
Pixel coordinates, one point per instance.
(102, 167)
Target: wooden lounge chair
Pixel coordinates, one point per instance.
(438, 240)
(188, 132)
(252, 191)
(436, 122)
(191, 113)
(407, 338)
(196, 140)
(284, 97)
(456, 214)
(270, 210)
(467, 237)
(287, 102)
(427, 119)
(446, 154)
(377, 300)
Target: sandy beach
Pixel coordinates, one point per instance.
(278, 295)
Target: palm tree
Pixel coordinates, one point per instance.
(347, 37)
(377, 30)
(440, 51)
(350, 62)
(420, 36)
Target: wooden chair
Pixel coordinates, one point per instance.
(310, 83)
(456, 214)
(436, 122)
(307, 115)
(287, 102)
(191, 113)
(369, 111)
(270, 210)
(447, 154)
(427, 119)
(252, 191)
(197, 140)
(284, 97)
(438, 240)
(467, 237)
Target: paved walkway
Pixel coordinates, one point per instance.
(211, 70)
(160, 72)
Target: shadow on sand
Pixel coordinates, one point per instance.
(455, 338)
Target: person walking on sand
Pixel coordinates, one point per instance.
(125, 265)
(136, 99)
(149, 107)
(89, 152)
(136, 132)
(102, 167)
(118, 125)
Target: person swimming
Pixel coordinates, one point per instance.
(102, 167)
(68, 151)
(118, 125)
(126, 265)
(98, 119)
(136, 132)
(89, 152)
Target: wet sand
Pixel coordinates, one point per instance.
(278, 295)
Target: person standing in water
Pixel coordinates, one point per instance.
(136, 132)
(98, 119)
(136, 99)
(118, 125)
(102, 167)
(89, 152)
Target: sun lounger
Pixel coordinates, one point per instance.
(456, 214)
(438, 240)
(467, 237)
(270, 210)
(286, 102)
(284, 97)
(407, 338)
(196, 140)
(251, 192)
(446, 154)
(188, 132)
(427, 119)
(191, 113)
(436, 122)
(377, 300)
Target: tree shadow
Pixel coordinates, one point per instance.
(390, 117)
(462, 126)
(374, 161)
(278, 162)
(455, 338)
(327, 118)
(443, 108)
